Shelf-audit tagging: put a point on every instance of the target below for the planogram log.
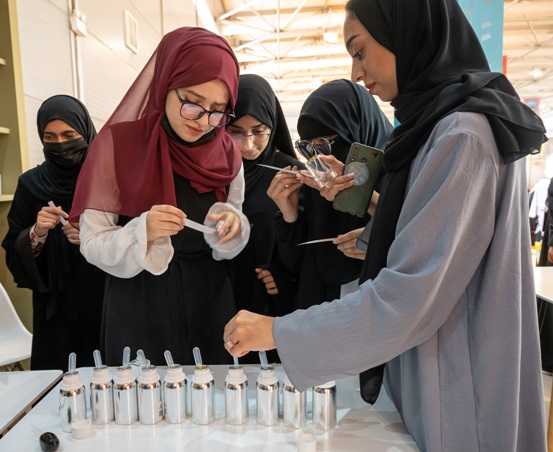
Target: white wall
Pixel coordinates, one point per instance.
(53, 58)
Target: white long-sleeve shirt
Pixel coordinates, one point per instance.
(124, 251)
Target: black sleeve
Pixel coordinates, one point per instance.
(27, 271)
(289, 235)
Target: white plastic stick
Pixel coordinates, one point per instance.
(97, 358)
(263, 359)
(72, 362)
(197, 356)
(141, 358)
(169, 358)
(126, 356)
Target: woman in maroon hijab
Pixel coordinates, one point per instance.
(161, 163)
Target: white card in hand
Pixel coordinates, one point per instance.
(198, 227)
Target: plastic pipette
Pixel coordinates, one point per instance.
(263, 359)
(63, 220)
(197, 356)
(126, 356)
(97, 358)
(72, 362)
(169, 358)
(236, 361)
(141, 358)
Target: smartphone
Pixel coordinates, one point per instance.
(365, 162)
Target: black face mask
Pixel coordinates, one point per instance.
(67, 154)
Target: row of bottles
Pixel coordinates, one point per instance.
(126, 400)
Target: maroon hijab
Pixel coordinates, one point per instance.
(131, 162)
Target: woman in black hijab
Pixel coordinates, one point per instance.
(447, 299)
(261, 283)
(42, 249)
(345, 113)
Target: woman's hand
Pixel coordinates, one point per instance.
(48, 218)
(372, 205)
(284, 192)
(247, 332)
(228, 225)
(72, 233)
(346, 244)
(164, 221)
(267, 278)
(333, 187)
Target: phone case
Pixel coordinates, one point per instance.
(364, 161)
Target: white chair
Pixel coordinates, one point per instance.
(15, 339)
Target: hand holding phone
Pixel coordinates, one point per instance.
(364, 162)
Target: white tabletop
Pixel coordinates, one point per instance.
(20, 390)
(543, 277)
(360, 427)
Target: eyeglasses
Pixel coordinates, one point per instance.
(257, 136)
(191, 111)
(310, 148)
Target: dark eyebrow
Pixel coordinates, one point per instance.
(222, 104)
(63, 132)
(252, 127)
(348, 43)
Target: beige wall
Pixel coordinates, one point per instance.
(98, 68)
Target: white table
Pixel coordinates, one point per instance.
(20, 390)
(543, 278)
(360, 427)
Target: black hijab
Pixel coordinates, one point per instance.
(346, 109)
(256, 98)
(441, 68)
(54, 181)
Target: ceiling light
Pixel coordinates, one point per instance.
(316, 82)
(330, 37)
(536, 73)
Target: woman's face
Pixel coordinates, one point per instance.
(212, 96)
(251, 136)
(372, 63)
(57, 131)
